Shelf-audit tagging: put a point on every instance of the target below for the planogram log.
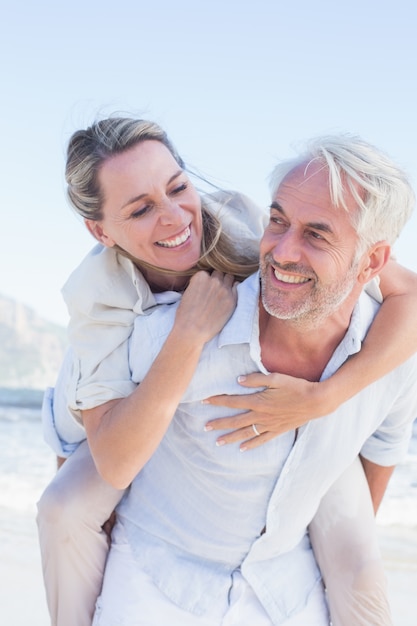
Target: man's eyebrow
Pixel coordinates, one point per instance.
(275, 205)
(143, 195)
(320, 226)
(324, 228)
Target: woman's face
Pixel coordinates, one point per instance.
(150, 208)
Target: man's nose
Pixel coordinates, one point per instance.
(287, 248)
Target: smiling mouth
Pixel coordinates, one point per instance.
(176, 241)
(293, 280)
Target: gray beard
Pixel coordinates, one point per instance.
(311, 312)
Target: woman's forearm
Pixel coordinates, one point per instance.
(123, 434)
(391, 340)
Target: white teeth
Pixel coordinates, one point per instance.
(290, 279)
(172, 243)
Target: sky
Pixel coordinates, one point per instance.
(237, 85)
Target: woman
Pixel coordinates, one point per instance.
(159, 223)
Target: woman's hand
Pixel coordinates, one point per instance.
(285, 404)
(206, 305)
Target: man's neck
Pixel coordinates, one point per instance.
(300, 350)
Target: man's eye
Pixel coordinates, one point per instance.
(316, 235)
(278, 222)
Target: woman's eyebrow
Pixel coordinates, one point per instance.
(143, 195)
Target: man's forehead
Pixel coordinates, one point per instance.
(305, 174)
(310, 181)
(307, 182)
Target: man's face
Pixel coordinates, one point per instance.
(308, 265)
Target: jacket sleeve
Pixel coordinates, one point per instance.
(103, 295)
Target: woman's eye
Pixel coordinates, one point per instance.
(180, 188)
(140, 212)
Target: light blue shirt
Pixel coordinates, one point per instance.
(196, 511)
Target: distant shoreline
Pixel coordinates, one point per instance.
(25, 398)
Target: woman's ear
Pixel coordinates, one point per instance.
(96, 229)
(374, 260)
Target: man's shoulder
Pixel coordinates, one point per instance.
(248, 292)
(157, 322)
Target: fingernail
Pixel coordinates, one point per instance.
(243, 448)
(207, 428)
(205, 402)
(220, 442)
(241, 379)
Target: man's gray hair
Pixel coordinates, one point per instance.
(381, 189)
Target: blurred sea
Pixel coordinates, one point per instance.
(27, 464)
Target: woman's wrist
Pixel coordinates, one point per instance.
(325, 397)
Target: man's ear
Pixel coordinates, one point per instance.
(98, 233)
(374, 260)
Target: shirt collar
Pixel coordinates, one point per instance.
(245, 322)
(362, 317)
(240, 327)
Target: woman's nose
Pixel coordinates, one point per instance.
(170, 212)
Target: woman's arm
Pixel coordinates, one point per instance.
(124, 433)
(391, 340)
(287, 403)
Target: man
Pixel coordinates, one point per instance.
(210, 536)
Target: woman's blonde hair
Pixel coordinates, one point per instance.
(89, 149)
